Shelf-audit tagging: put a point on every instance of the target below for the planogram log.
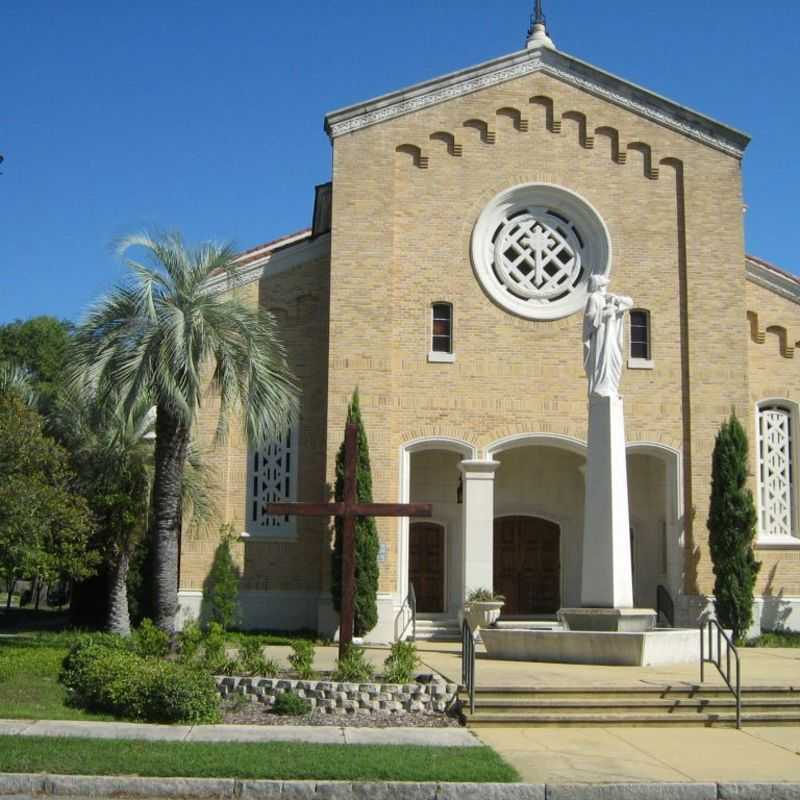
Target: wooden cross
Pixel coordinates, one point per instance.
(348, 509)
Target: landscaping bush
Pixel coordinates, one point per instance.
(150, 641)
(252, 660)
(353, 668)
(289, 704)
(190, 643)
(214, 659)
(401, 663)
(221, 588)
(302, 659)
(102, 676)
(732, 527)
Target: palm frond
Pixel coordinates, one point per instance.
(17, 380)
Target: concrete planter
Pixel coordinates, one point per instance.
(482, 614)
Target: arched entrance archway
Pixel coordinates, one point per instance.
(527, 565)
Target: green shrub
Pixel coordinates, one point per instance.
(366, 542)
(289, 704)
(221, 588)
(401, 663)
(252, 660)
(302, 659)
(732, 527)
(83, 651)
(214, 658)
(190, 642)
(102, 676)
(354, 667)
(484, 596)
(150, 641)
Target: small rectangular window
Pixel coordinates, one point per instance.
(442, 330)
(640, 335)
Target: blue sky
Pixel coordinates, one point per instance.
(207, 116)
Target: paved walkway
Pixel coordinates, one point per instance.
(760, 667)
(631, 755)
(315, 734)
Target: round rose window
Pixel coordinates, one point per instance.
(534, 248)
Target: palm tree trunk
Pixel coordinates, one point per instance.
(12, 582)
(119, 620)
(172, 440)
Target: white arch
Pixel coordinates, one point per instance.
(516, 440)
(451, 444)
(676, 527)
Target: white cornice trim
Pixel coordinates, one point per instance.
(273, 263)
(767, 278)
(552, 62)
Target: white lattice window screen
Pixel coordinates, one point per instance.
(272, 479)
(537, 255)
(776, 455)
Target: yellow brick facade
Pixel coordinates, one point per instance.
(406, 195)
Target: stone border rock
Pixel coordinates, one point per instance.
(19, 785)
(347, 698)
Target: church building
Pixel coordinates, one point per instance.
(445, 277)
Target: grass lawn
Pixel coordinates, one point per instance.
(778, 639)
(29, 687)
(272, 760)
(31, 656)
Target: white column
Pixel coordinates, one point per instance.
(478, 524)
(606, 572)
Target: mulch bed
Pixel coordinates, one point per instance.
(251, 713)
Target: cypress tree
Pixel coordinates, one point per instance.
(367, 545)
(731, 527)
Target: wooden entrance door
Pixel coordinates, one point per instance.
(527, 565)
(426, 566)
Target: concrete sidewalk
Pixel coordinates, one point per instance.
(314, 734)
(631, 755)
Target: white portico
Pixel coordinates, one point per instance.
(510, 517)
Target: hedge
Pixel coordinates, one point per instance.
(105, 675)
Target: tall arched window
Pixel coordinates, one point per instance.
(777, 467)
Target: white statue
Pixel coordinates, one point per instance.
(603, 338)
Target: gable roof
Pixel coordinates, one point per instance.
(551, 62)
(271, 258)
(768, 276)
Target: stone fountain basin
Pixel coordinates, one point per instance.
(610, 648)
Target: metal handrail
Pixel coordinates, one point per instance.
(665, 606)
(468, 664)
(709, 626)
(412, 604)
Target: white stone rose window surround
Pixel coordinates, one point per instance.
(272, 478)
(776, 473)
(534, 248)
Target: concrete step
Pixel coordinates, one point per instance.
(529, 625)
(438, 630)
(611, 705)
(721, 719)
(578, 693)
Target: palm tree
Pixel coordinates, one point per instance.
(112, 454)
(14, 378)
(165, 336)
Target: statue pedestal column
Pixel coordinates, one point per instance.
(607, 581)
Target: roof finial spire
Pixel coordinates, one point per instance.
(537, 33)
